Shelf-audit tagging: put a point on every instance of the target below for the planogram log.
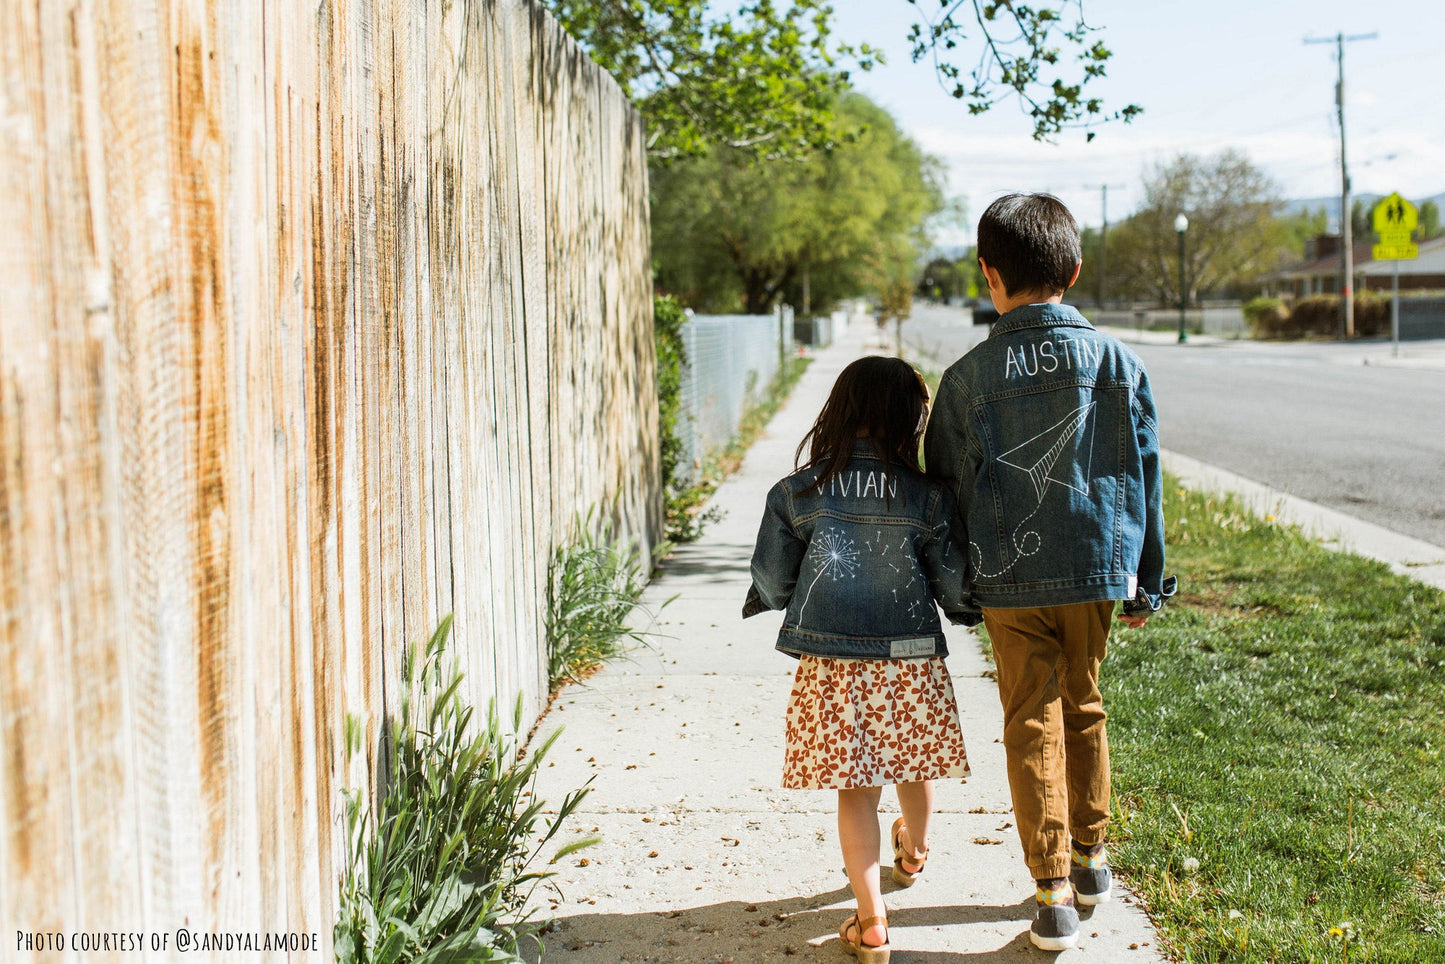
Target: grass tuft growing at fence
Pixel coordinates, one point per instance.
(1279, 749)
(439, 867)
(592, 587)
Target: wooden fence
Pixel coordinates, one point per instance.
(318, 321)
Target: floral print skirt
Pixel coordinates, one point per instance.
(871, 723)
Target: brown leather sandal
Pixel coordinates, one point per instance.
(902, 877)
(866, 953)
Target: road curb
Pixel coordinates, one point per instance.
(1419, 560)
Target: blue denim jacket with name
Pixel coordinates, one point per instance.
(859, 564)
(1046, 434)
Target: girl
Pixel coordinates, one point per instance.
(855, 545)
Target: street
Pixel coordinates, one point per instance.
(1304, 417)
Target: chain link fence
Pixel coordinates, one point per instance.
(730, 361)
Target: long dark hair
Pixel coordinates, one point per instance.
(882, 397)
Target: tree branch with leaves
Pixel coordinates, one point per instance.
(763, 80)
(1021, 53)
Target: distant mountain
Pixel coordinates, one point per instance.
(1331, 204)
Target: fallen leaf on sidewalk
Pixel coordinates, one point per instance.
(729, 842)
(985, 841)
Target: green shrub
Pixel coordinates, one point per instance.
(1318, 316)
(1266, 317)
(1372, 314)
(439, 869)
(683, 497)
(668, 318)
(1315, 315)
(592, 587)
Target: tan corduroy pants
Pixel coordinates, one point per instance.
(1053, 726)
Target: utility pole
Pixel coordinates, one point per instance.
(1347, 242)
(1104, 237)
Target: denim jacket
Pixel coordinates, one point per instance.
(858, 565)
(1046, 434)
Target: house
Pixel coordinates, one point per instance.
(1422, 273)
(1319, 272)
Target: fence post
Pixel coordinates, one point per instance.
(778, 316)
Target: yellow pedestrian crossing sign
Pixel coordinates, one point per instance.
(1408, 251)
(1395, 213)
(1395, 220)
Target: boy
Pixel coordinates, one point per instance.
(1046, 434)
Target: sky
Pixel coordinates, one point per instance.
(1228, 74)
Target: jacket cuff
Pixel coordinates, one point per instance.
(1145, 603)
(754, 603)
(970, 617)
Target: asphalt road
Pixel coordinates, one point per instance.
(1310, 419)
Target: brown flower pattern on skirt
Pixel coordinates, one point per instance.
(871, 723)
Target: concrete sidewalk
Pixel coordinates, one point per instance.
(703, 857)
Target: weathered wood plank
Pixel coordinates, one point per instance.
(37, 791)
(314, 326)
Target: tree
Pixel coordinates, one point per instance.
(762, 79)
(729, 231)
(1088, 287)
(1362, 220)
(1234, 233)
(939, 279)
(1429, 226)
(1304, 226)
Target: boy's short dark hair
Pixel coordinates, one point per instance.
(1032, 241)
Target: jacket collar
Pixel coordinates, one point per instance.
(1046, 315)
(864, 448)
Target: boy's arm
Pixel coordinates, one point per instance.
(1154, 587)
(946, 565)
(945, 442)
(777, 556)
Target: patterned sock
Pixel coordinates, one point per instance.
(1054, 890)
(1095, 856)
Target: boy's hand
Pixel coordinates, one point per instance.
(1133, 622)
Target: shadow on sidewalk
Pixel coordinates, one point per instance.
(709, 559)
(800, 929)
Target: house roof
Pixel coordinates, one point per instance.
(1431, 261)
(1328, 265)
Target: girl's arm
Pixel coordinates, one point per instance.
(946, 565)
(777, 556)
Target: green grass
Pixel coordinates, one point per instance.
(1282, 724)
(593, 585)
(439, 866)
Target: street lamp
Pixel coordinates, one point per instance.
(1181, 224)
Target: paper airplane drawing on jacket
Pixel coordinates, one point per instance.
(1040, 458)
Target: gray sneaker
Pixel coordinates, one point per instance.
(1055, 928)
(1091, 879)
